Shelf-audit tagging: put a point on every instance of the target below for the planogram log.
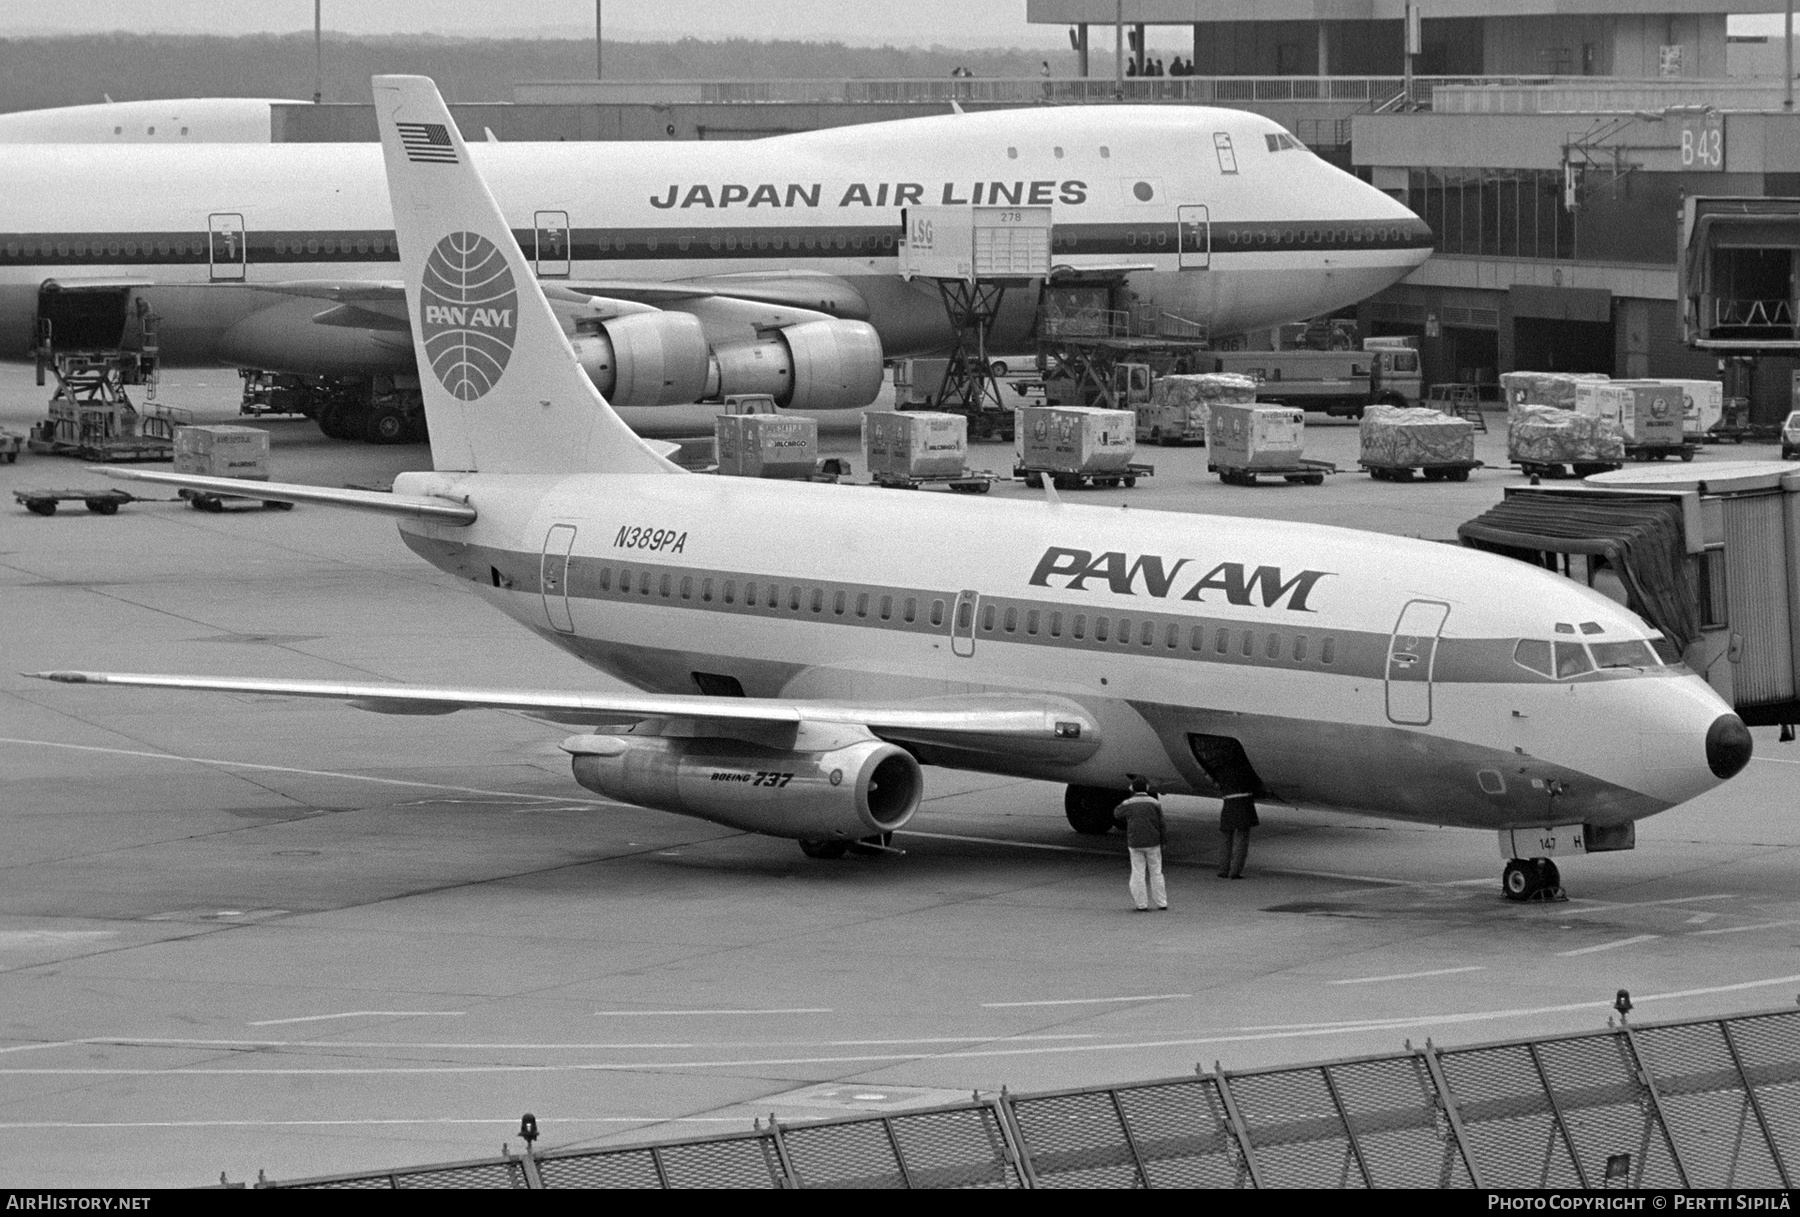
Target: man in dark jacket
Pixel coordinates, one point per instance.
(1142, 816)
(1236, 818)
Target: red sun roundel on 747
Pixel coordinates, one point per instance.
(470, 314)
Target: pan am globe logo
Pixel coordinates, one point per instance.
(471, 314)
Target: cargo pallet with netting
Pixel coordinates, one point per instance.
(1700, 1103)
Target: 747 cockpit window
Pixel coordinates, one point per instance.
(1631, 653)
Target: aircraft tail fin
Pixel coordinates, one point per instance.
(503, 391)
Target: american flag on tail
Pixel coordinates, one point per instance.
(427, 142)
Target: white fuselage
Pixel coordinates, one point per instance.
(1312, 646)
(1270, 232)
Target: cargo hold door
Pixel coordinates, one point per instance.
(553, 577)
(1411, 653)
(1193, 226)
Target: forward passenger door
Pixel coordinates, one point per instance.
(962, 623)
(553, 577)
(1412, 651)
(1193, 226)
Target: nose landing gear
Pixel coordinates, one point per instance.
(1532, 879)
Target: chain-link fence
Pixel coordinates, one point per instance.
(1712, 1103)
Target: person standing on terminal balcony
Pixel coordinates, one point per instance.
(1141, 814)
(1237, 816)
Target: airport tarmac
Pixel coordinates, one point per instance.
(255, 933)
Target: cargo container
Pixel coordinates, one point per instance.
(1244, 441)
(913, 446)
(1397, 441)
(1179, 406)
(223, 452)
(1702, 407)
(1648, 414)
(766, 445)
(918, 381)
(1077, 445)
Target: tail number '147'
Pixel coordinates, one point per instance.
(762, 777)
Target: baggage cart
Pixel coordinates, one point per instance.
(1446, 471)
(10, 443)
(1301, 472)
(100, 502)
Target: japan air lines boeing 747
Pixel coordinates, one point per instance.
(796, 689)
(691, 270)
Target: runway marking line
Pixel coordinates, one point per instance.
(1608, 946)
(1370, 980)
(1598, 906)
(139, 1041)
(1082, 1001)
(319, 1018)
(681, 1013)
(23, 1125)
(317, 773)
(1740, 929)
(1133, 1045)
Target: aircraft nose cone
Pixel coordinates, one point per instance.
(1728, 746)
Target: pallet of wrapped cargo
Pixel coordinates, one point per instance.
(766, 445)
(1541, 440)
(1245, 441)
(1179, 405)
(1545, 388)
(1078, 446)
(909, 448)
(1397, 440)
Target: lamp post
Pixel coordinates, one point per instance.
(318, 54)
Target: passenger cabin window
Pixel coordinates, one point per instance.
(1124, 631)
(1056, 625)
(1011, 622)
(667, 586)
(731, 591)
(987, 617)
(687, 587)
(839, 603)
(1222, 148)
(911, 611)
(1031, 622)
(1101, 628)
(886, 611)
(606, 578)
(1328, 650)
(862, 604)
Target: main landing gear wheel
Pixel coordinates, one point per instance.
(1090, 809)
(1531, 879)
(824, 849)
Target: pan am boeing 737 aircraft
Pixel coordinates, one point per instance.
(687, 270)
(795, 690)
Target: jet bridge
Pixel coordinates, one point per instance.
(1709, 555)
(1738, 272)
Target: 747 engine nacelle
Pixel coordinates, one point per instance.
(645, 359)
(842, 792)
(829, 364)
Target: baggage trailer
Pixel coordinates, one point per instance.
(10, 443)
(1447, 471)
(1301, 472)
(100, 502)
(1077, 446)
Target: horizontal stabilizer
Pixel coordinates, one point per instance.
(414, 507)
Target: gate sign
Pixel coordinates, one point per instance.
(1702, 142)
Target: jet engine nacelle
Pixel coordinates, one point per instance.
(817, 365)
(841, 793)
(645, 359)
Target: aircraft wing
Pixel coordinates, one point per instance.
(1035, 724)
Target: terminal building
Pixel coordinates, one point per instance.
(1550, 144)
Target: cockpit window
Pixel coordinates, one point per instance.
(1572, 660)
(1281, 142)
(1629, 654)
(1534, 654)
(1592, 627)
